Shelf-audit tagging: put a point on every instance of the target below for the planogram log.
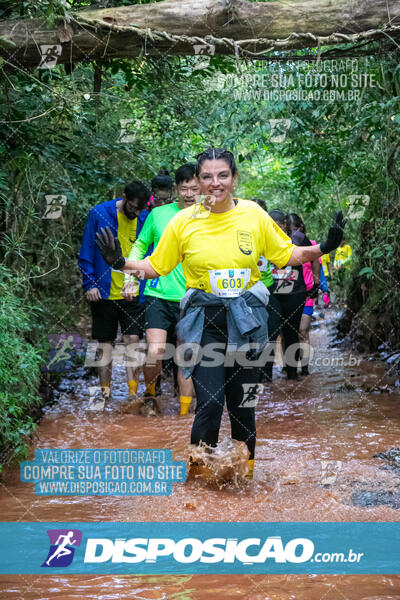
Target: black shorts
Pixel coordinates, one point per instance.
(107, 314)
(162, 314)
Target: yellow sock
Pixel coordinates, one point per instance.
(106, 390)
(151, 389)
(132, 386)
(185, 403)
(251, 469)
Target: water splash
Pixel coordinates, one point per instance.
(226, 463)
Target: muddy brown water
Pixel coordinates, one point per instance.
(316, 439)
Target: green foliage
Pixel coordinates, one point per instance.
(49, 9)
(20, 361)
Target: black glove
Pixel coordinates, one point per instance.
(110, 248)
(335, 234)
(313, 292)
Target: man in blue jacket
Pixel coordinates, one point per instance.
(102, 284)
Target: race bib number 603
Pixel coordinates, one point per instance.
(229, 283)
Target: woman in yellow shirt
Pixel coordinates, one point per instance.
(219, 242)
(343, 256)
(326, 265)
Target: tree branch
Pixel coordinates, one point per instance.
(174, 27)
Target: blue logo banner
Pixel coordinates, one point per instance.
(199, 548)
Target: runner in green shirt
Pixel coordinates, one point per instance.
(263, 264)
(163, 294)
(273, 310)
(173, 286)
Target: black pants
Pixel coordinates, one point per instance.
(274, 327)
(284, 313)
(215, 382)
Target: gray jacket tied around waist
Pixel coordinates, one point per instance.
(247, 320)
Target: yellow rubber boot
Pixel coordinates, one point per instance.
(133, 387)
(185, 402)
(251, 469)
(150, 389)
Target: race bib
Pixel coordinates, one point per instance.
(263, 264)
(287, 273)
(284, 278)
(154, 282)
(229, 283)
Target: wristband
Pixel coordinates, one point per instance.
(323, 248)
(119, 264)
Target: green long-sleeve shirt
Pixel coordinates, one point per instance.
(265, 270)
(173, 286)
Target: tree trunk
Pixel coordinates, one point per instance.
(175, 26)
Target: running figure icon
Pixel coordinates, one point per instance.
(62, 549)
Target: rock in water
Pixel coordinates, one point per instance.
(376, 498)
(392, 457)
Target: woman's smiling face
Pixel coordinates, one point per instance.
(216, 179)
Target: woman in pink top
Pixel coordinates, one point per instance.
(311, 274)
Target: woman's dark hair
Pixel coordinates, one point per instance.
(260, 203)
(216, 154)
(137, 189)
(162, 181)
(278, 216)
(296, 221)
(185, 173)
